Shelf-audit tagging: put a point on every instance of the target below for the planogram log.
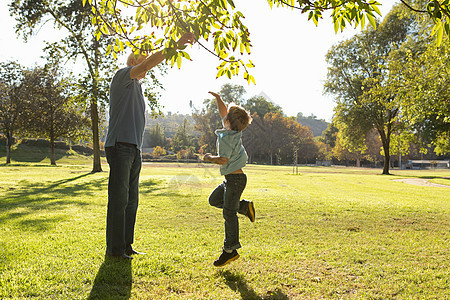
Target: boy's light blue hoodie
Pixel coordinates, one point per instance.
(229, 145)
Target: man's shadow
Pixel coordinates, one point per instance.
(113, 280)
(237, 283)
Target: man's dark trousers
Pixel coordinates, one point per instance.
(123, 196)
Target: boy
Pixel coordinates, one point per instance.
(232, 158)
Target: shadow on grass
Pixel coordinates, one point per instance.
(113, 280)
(149, 186)
(33, 197)
(24, 153)
(238, 283)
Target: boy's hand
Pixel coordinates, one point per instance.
(207, 156)
(214, 94)
(220, 105)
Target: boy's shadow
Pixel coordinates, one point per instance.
(113, 280)
(238, 283)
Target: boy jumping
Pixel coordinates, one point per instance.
(231, 158)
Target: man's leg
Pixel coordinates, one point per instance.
(133, 199)
(120, 161)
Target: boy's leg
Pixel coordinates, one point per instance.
(216, 198)
(234, 186)
(248, 209)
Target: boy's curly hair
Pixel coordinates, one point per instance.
(238, 117)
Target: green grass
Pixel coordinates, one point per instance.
(326, 233)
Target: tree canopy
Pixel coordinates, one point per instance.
(219, 26)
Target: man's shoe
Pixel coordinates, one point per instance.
(225, 258)
(131, 251)
(251, 211)
(118, 256)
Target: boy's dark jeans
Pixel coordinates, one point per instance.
(123, 196)
(228, 197)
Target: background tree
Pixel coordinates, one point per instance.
(258, 106)
(358, 77)
(233, 93)
(261, 106)
(13, 103)
(421, 75)
(317, 126)
(281, 135)
(54, 115)
(183, 138)
(155, 137)
(158, 151)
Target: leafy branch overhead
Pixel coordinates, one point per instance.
(217, 24)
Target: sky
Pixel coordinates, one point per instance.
(288, 52)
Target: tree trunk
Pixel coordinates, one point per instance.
(52, 153)
(97, 166)
(387, 156)
(358, 162)
(8, 147)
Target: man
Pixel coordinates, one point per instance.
(122, 147)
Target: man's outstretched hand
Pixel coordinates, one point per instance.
(187, 38)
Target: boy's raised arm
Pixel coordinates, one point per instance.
(220, 105)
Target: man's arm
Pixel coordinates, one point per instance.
(218, 160)
(220, 105)
(158, 57)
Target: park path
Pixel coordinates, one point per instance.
(420, 182)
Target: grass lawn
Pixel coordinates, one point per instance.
(326, 233)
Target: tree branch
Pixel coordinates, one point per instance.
(412, 8)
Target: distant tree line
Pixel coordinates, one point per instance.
(273, 138)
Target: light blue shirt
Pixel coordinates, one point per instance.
(126, 110)
(229, 145)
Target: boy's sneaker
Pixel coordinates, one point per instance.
(251, 211)
(225, 258)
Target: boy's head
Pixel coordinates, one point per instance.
(238, 117)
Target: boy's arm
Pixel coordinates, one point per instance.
(158, 57)
(220, 105)
(218, 160)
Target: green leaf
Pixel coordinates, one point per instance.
(252, 79)
(231, 3)
(440, 33)
(372, 21)
(220, 73)
(436, 27)
(336, 26)
(375, 8)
